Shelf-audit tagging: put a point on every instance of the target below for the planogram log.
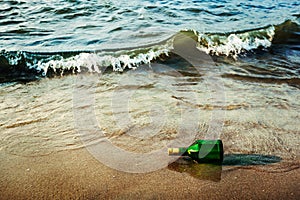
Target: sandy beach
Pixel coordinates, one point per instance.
(77, 175)
(93, 93)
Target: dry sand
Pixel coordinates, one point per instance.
(78, 175)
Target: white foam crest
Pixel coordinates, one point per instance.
(94, 62)
(234, 44)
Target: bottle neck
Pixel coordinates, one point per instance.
(177, 151)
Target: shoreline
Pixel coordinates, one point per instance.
(75, 174)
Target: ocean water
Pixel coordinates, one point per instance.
(146, 75)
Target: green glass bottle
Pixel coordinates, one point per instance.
(202, 151)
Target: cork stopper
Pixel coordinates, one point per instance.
(173, 151)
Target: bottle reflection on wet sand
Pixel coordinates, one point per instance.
(203, 171)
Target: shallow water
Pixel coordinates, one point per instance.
(146, 113)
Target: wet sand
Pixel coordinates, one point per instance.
(75, 174)
(43, 157)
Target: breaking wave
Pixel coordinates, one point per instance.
(234, 44)
(20, 65)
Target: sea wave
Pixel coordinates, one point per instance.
(19, 65)
(234, 44)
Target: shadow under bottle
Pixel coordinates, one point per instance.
(204, 159)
